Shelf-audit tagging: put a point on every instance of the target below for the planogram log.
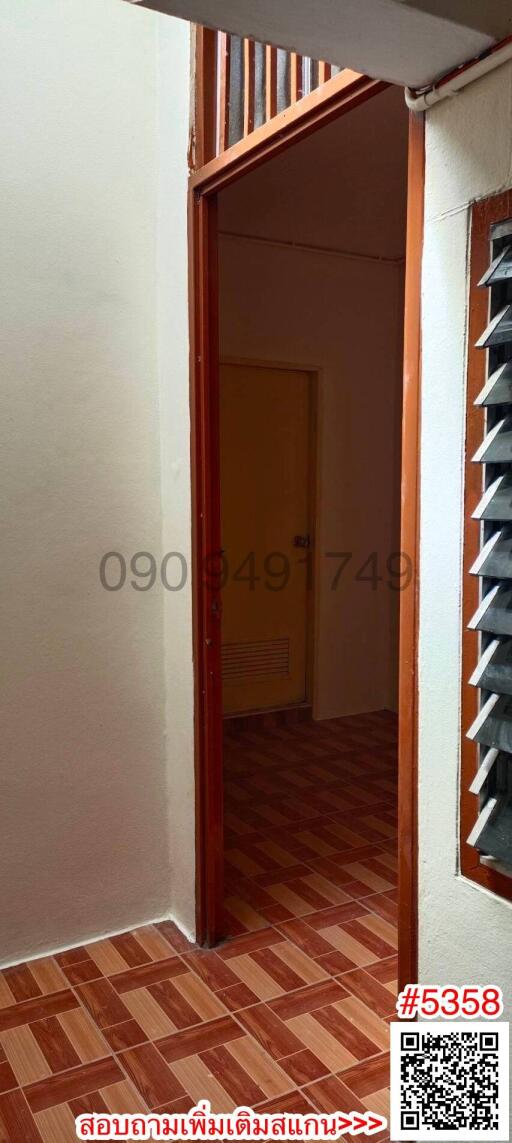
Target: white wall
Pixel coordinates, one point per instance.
(91, 769)
(465, 932)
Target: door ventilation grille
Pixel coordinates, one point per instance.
(262, 660)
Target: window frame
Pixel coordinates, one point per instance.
(484, 214)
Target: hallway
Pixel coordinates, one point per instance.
(288, 1014)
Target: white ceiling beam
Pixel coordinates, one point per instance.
(409, 42)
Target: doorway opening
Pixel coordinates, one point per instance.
(323, 188)
(311, 315)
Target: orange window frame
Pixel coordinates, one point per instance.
(483, 215)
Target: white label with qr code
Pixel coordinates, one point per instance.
(449, 1081)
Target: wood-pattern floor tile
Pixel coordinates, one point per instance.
(151, 1075)
(55, 1044)
(57, 1124)
(89, 1104)
(321, 1042)
(238, 1082)
(37, 1009)
(192, 1041)
(103, 1002)
(22, 982)
(123, 1098)
(148, 1014)
(17, 1125)
(370, 991)
(268, 1074)
(107, 958)
(331, 1095)
(48, 975)
(67, 1085)
(143, 975)
(24, 1055)
(273, 1035)
(8, 1079)
(199, 1082)
(82, 1034)
(368, 1076)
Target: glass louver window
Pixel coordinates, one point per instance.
(491, 730)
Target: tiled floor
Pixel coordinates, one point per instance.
(290, 1013)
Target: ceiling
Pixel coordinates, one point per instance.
(342, 188)
(408, 42)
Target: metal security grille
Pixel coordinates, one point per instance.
(492, 728)
(263, 660)
(254, 82)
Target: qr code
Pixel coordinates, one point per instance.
(449, 1081)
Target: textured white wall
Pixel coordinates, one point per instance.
(465, 932)
(89, 780)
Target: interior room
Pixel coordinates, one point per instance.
(311, 275)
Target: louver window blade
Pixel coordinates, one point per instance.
(498, 389)
(483, 819)
(493, 724)
(491, 730)
(495, 836)
(500, 269)
(494, 613)
(494, 671)
(495, 559)
(496, 448)
(496, 502)
(499, 330)
(485, 769)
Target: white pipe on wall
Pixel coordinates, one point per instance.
(460, 79)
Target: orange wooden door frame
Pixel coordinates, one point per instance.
(322, 107)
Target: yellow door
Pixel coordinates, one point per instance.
(265, 433)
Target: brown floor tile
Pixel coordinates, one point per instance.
(250, 942)
(370, 991)
(192, 1041)
(270, 1031)
(211, 968)
(37, 1009)
(21, 982)
(385, 970)
(294, 1102)
(69, 1085)
(151, 1076)
(16, 1122)
(88, 1104)
(234, 1078)
(147, 974)
(125, 1035)
(331, 1095)
(303, 1067)
(307, 999)
(55, 1045)
(103, 1003)
(368, 1076)
(7, 1077)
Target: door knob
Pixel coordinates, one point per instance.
(302, 541)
